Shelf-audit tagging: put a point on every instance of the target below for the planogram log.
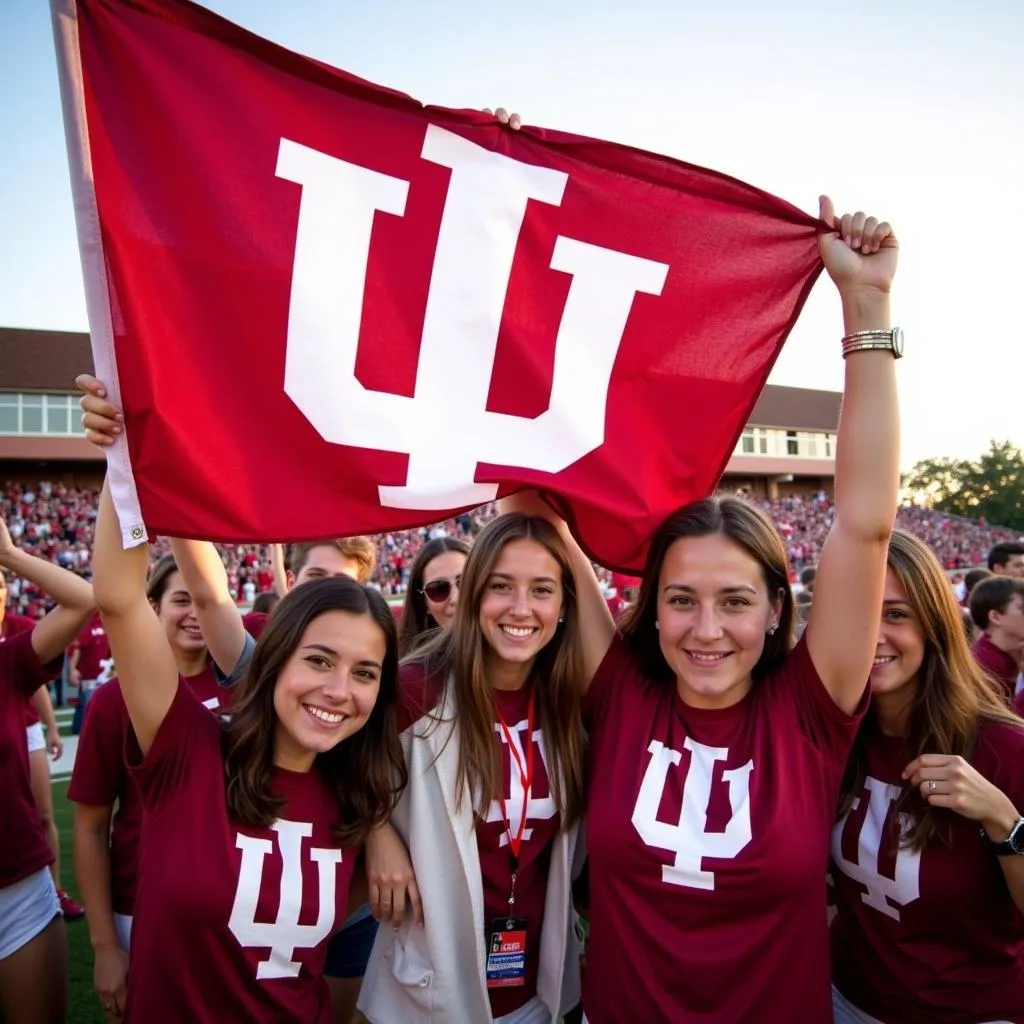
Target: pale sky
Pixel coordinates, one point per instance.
(912, 110)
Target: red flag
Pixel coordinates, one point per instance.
(327, 309)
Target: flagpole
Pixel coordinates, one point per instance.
(98, 300)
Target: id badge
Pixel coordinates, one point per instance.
(506, 953)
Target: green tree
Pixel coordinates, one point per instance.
(991, 486)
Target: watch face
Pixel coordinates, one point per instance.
(1016, 836)
(897, 341)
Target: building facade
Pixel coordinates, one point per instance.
(787, 447)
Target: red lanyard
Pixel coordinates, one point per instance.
(526, 777)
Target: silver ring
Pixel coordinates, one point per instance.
(931, 785)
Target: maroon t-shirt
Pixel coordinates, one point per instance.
(1002, 667)
(93, 647)
(23, 849)
(931, 937)
(12, 625)
(708, 832)
(208, 691)
(231, 920)
(420, 696)
(100, 776)
(255, 623)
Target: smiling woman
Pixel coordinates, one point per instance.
(321, 690)
(720, 615)
(520, 609)
(490, 719)
(716, 744)
(433, 590)
(273, 805)
(940, 759)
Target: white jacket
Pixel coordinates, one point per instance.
(436, 973)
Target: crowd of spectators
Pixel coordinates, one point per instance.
(959, 543)
(56, 522)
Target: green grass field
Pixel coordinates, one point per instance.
(83, 1006)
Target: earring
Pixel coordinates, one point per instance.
(657, 625)
(561, 618)
(771, 629)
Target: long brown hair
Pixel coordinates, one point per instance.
(460, 655)
(416, 620)
(954, 695)
(746, 526)
(367, 771)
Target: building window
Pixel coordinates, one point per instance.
(762, 442)
(58, 414)
(792, 444)
(38, 414)
(747, 441)
(31, 414)
(828, 445)
(9, 414)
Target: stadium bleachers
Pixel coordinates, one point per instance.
(57, 522)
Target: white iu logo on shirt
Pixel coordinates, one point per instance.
(486, 202)
(689, 838)
(519, 803)
(285, 935)
(884, 894)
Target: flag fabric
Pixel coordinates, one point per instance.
(328, 309)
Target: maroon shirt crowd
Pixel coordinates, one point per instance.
(56, 522)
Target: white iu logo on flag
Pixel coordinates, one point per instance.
(483, 213)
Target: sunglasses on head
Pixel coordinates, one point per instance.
(440, 590)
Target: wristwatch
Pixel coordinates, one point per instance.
(1012, 845)
(890, 340)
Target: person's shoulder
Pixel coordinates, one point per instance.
(420, 691)
(16, 624)
(16, 642)
(108, 700)
(15, 646)
(998, 756)
(797, 664)
(989, 654)
(1003, 739)
(255, 623)
(620, 680)
(622, 657)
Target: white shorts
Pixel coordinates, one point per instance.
(846, 1013)
(123, 927)
(36, 739)
(26, 908)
